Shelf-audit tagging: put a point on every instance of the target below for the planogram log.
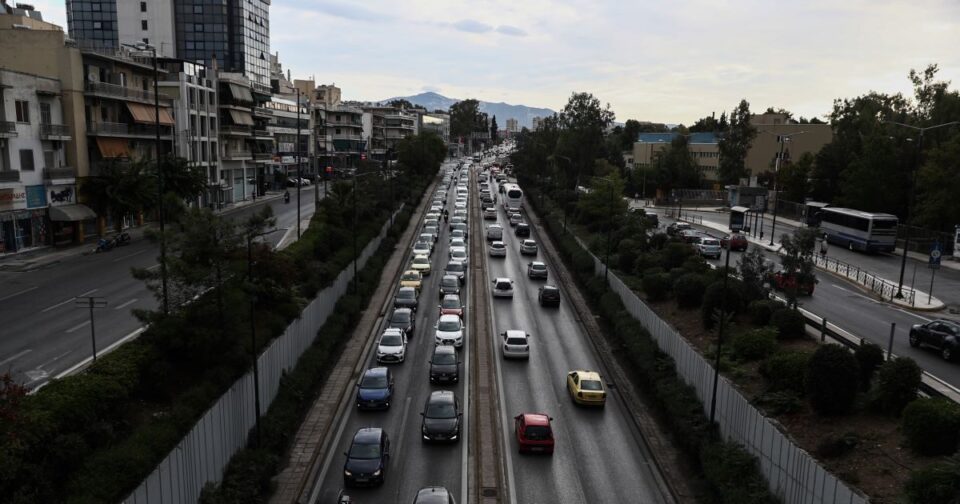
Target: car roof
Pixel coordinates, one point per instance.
(451, 296)
(368, 435)
(538, 263)
(441, 396)
(502, 279)
(450, 278)
(407, 289)
(411, 272)
(421, 257)
(493, 226)
(536, 419)
(587, 375)
(401, 310)
(435, 494)
(529, 242)
(498, 242)
(444, 349)
(449, 317)
(516, 333)
(377, 371)
(550, 288)
(392, 330)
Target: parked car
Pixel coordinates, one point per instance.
(516, 344)
(943, 335)
(403, 319)
(498, 249)
(537, 269)
(375, 389)
(549, 295)
(367, 458)
(503, 287)
(444, 364)
(449, 331)
(528, 247)
(451, 305)
(494, 232)
(586, 387)
(734, 241)
(708, 246)
(652, 218)
(690, 235)
(449, 284)
(392, 346)
(406, 297)
(441, 417)
(422, 249)
(457, 269)
(534, 433)
(675, 228)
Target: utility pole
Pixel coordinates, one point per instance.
(299, 164)
(91, 302)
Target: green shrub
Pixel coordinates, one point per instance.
(653, 270)
(657, 286)
(627, 253)
(659, 240)
(932, 426)
(688, 289)
(786, 370)
(780, 403)
(790, 323)
(832, 380)
(760, 311)
(716, 298)
(674, 254)
(897, 384)
(734, 474)
(837, 446)
(754, 344)
(939, 482)
(870, 356)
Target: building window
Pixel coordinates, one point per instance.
(48, 159)
(26, 159)
(146, 40)
(198, 9)
(143, 6)
(23, 111)
(338, 131)
(45, 116)
(143, 24)
(97, 25)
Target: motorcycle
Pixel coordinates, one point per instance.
(121, 238)
(103, 245)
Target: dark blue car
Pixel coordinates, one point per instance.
(375, 389)
(367, 458)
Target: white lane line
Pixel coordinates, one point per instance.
(905, 312)
(55, 359)
(128, 303)
(151, 268)
(45, 310)
(28, 289)
(78, 326)
(102, 352)
(15, 356)
(396, 449)
(128, 256)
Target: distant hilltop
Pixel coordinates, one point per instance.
(522, 113)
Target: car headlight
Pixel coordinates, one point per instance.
(377, 472)
(347, 473)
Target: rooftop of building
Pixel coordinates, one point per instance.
(694, 138)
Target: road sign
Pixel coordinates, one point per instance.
(935, 255)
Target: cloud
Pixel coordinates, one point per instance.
(512, 31)
(472, 26)
(349, 11)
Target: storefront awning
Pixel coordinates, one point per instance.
(145, 114)
(113, 147)
(241, 93)
(241, 118)
(71, 213)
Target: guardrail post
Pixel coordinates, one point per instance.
(823, 330)
(893, 328)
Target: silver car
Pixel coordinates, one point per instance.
(515, 345)
(528, 247)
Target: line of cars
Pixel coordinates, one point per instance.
(368, 456)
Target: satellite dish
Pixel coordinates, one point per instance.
(92, 77)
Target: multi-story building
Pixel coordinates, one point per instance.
(195, 112)
(513, 126)
(803, 138)
(398, 124)
(246, 145)
(288, 124)
(437, 123)
(342, 124)
(704, 147)
(535, 123)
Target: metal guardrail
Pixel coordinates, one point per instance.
(886, 289)
(58, 130)
(680, 216)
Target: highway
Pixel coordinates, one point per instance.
(598, 455)
(46, 335)
(413, 464)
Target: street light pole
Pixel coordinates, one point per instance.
(299, 171)
(910, 195)
(776, 176)
(253, 339)
(723, 318)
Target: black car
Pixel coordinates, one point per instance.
(403, 319)
(375, 389)
(441, 417)
(434, 495)
(549, 296)
(406, 298)
(449, 284)
(944, 335)
(675, 228)
(367, 458)
(522, 230)
(652, 218)
(444, 364)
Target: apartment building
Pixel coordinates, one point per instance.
(703, 147)
(513, 126)
(246, 144)
(800, 139)
(289, 124)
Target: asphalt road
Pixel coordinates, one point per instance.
(43, 334)
(597, 456)
(847, 306)
(413, 464)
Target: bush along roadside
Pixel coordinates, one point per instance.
(94, 436)
(730, 472)
(247, 477)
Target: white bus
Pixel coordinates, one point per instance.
(512, 197)
(864, 231)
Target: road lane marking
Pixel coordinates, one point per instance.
(28, 289)
(45, 310)
(55, 359)
(396, 448)
(15, 356)
(151, 268)
(102, 352)
(128, 303)
(129, 255)
(78, 326)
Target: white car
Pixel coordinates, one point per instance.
(436, 208)
(515, 218)
(457, 243)
(422, 248)
(459, 254)
(490, 213)
(427, 237)
(458, 233)
(432, 229)
(449, 331)
(494, 232)
(503, 287)
(528, 247)
(392, 346)
(516, 344)
(460, 213)
(458, 205)
(498, 249)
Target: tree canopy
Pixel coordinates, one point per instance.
(735, 144)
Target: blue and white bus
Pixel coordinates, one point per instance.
(512, 197)
(857, 230)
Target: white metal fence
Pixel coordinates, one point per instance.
(792, 474)
(205, 451)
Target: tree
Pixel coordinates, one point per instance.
(629, 133)
(603, 206)
(938, 186)
(421, 155)
(709, 124)
(793, 178)
(464, 118)
(880, 165)
(493, 129)
(782, 111)
(121, 188)
(754, 272)
(583, 122)
(401, 103)
(797, 260)
(676, 167)
(735, 144)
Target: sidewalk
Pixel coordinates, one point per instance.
(39, 257)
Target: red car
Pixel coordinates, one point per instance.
(735, 241)
(451, 305)
(783, 281)
(534, 433)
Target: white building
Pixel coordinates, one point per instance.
(150, 22)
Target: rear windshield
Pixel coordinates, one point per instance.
(406, 294)
(456, 266)
(451, 303)
(884, 224)
(516, 341)
(401, 316)
(514, 193)
(365, 451)
(590, 385)
(537, 432)
(391, 340)
(374, 382)
(441, 410)
(503, 285)
(445, 358)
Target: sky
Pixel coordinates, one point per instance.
(671, 62)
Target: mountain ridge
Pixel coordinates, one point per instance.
(522, 113)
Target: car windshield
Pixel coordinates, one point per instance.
(401, 316)
(503, 285)
(374, 381)
(411, 276)
(421, 260)
(391, 340)
(406, 294)
(449, 325)
(538, 266)
(537, 432)
(455, 266)
(450, 282)
(710, 243)
(591, 385)
(451, 303)
(365, 451)
(444, 358)
(458, 254)
(440, 410)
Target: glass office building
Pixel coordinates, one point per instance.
(93, 23)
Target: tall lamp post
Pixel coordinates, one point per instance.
(610, 196)
(723, 318)
(299, 164)
(776, 177)
(253, 329)
(910, 195)
(143, 46)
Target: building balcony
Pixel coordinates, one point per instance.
(342, 123)
(235, 129)
(262, 133)
(262, 156)
(54, 132)
(147, 131)
(60, 173)
(8, 129)
(8, 176)
(108, 90)
(237, 155)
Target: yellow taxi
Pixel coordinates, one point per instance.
(421, 263)
(411, 278)
(586, 387)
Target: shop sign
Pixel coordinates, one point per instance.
(36, 196)
(14, 198)
(63, 195)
